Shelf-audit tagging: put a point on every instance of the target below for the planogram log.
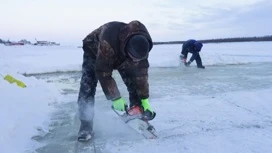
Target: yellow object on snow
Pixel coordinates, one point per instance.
(11, 79)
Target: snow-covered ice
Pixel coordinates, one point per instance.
(42, 59)
(24, 112)
(224, 108)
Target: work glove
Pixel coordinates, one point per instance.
(187, 63)
(181, 57)
(184, 60)
(119, 104)
(146, 105)
(148, 112)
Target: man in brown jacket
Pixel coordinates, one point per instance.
(115, 46)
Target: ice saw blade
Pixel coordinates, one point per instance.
(140, 126)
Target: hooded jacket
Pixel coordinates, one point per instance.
(106, 46)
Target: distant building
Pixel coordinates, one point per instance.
(15, 43)
(25, 41)
(46, 43)
(10, 43)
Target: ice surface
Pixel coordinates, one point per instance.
(224, 108)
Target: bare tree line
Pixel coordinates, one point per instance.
(223, 40)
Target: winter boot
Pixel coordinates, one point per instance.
(85, 130)
(201, 67)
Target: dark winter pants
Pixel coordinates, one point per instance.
(87, 89)
(197, 58)
(86, 98)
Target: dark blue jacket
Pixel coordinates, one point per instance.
(191, 46)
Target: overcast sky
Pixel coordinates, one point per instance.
(166, 20)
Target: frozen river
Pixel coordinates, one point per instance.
(167, 87)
